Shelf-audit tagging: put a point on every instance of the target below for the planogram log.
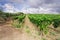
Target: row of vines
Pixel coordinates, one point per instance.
(19, 18)
(16, 18)
(12, 16)
(44, 20)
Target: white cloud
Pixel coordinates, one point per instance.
(37, 10)
(44, 10)
(34, 6)
(10, 8)
(26, 9)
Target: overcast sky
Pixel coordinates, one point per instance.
(31, 6)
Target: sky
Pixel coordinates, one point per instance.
(30, 6)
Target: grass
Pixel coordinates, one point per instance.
(16, 24)
(53, 33)
(58, 38)
(38, 33)
(27, 29)
(43, 39)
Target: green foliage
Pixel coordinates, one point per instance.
(13, 16)
(43, 20)
(19, 18)
(56, 23)
(5, 15)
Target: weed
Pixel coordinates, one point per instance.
(43, 39)
(27, 29)
(16, 24)
(52, 33)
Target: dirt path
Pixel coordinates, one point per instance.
(30, 31)
(9, 33)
